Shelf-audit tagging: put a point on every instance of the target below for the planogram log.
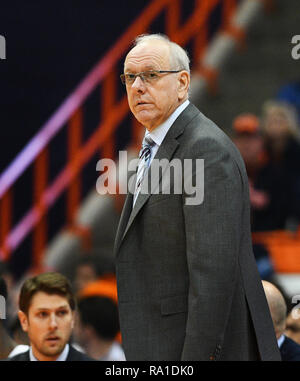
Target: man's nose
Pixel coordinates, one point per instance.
(138, 84)
(53, 322)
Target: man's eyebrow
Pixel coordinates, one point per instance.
(57, 308)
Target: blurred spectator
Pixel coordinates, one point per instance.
(90, 268)
(281, 133)
(273, 190)
(97, 328)
(47, 313)
(289, 349)
(106, 286)
(293, 325)
(247, 136)
(282, 143)
(19, 336)
(6, 342)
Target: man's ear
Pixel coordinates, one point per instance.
(183, 84)
(23, 320)
(75, 318)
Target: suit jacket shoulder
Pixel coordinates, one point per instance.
(20, 357)
(203, 135)
(75, 355)
(290, 350)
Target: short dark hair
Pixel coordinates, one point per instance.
(51, 283)
(101, 313)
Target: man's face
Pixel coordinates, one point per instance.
(49, 324)
(293, 326)
(153, 103)
(85, 274)
(276, 125)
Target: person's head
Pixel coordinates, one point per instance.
(247, 137)
(97, 318)
(277, 306)
(90, 268)
(47, 308)
(279, 120)
(153, 97)
(293, 325)
(18, 335)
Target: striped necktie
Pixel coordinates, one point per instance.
(144, 155)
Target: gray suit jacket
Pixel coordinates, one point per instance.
(188, 285)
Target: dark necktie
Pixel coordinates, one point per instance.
(144, 155)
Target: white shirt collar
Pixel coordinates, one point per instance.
(280, 341)
(62, 357)
(159, 133)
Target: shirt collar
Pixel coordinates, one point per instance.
(62, 357)
(280, 341)
(159, 133)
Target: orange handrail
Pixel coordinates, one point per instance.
(112, 112)
(74, 143)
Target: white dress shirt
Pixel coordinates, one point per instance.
(159, 133)
(18, 349)
(280, 341)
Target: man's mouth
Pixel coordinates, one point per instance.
(52, 339)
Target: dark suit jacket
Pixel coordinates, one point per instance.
(73, 355)
(188, 284)
(290, 350)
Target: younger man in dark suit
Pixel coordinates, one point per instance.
(47, 312)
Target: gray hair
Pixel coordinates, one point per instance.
(287, 111)
(179, 58)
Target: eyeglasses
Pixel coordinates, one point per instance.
(146, 76)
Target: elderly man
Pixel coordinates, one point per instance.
(188, 285)
(289, 349)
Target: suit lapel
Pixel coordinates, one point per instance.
(165, 151)
(127, 209)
